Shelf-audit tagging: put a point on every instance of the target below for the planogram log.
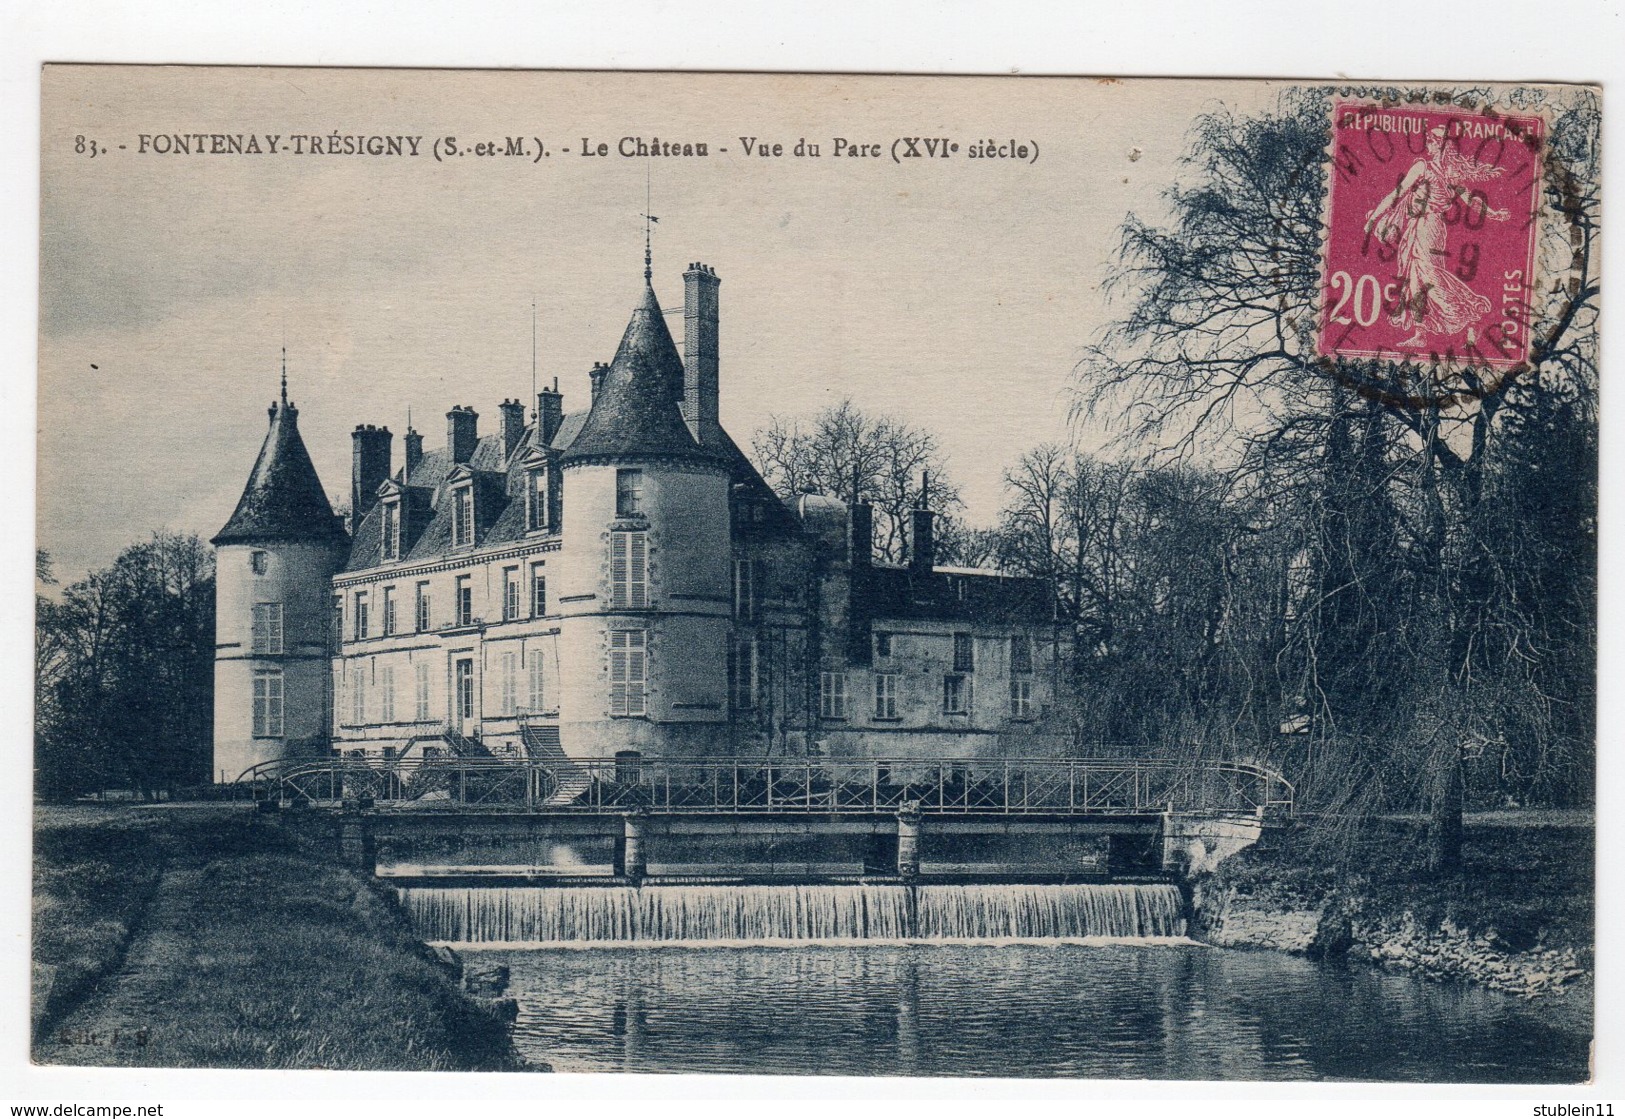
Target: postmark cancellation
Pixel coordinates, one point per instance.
(1430, 243)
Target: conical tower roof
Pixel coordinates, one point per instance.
(636, 413)
(283, 500)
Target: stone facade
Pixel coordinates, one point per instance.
(620, 579)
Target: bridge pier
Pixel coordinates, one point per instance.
(1194, 845)
(634, 856)
(357, 846)
(908, 843)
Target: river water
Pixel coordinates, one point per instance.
(1154, 1011)
(1076, 981)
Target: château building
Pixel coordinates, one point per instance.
(615, 579)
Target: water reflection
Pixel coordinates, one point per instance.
(1117, 1011)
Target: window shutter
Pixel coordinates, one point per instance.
(618, 569)
(638, 562)
(617, 674)
(637, 677)
(733, 675)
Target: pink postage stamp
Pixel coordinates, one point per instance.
(1430, 230)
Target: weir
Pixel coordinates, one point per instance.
(673, 914)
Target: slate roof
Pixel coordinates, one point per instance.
(636, 412)
(991, 599)
(283, 500)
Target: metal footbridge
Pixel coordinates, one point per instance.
(547, 781)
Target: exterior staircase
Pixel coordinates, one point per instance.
(462, 746)
(542, 745)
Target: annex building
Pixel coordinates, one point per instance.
(604, 581)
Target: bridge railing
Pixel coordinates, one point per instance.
(726, 786)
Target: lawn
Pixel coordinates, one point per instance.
(208, 937)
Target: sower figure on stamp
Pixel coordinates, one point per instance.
(1411, 220)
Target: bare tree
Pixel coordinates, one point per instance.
(1406, 636)
(848, 454)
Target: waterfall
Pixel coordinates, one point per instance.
(997, 912)
(548, 915)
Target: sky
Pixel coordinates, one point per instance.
(956, 293)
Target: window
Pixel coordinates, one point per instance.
(742, 674)
(1021, 653)
(267, 633)
(510, 683)
(422, 605)
(955, 695)
(392, 530)
(628, 767)
(386, 679)
(465, 600)
(536, 500)
(832, 695)
(885, 695)
(465, 690)
(268, 703)
(358, 696)
(964, 653)
(628, 671)
(258, 562)
(389, 611)
(538, 590)
(361, 615)
(510, 593)
(462, 517)
(628, 493)
(629, 570)
(748, 579)
(422, 671)
(1021, 698)
(335, 633)
(538, 683)
(882, 644)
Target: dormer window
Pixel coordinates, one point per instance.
(462, 516)
(628, 493)
(536, 499)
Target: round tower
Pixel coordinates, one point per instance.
(274, 562)
(644, 570)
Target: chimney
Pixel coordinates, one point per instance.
(863, 534)
(369, 467)
(549, 414)
(462, 433)
(513, 426)
(701, 351)
(922, 557)
(597, 375)
(414, 450)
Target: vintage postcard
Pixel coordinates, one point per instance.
(814, 575)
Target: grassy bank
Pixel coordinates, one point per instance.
(207, 937)
(1519, 918)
